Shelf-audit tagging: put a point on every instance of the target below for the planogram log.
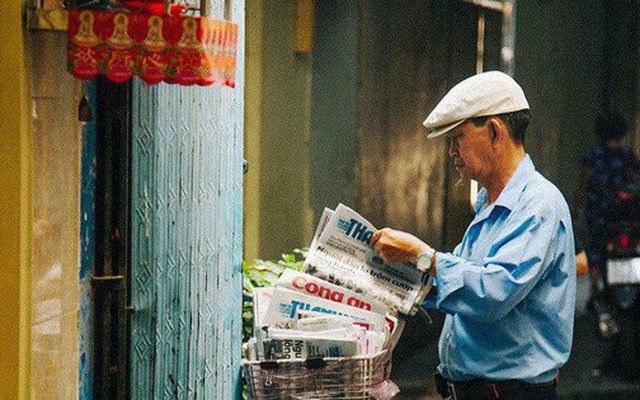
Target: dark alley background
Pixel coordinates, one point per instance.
(349, 114)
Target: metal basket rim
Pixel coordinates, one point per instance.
(245, 362)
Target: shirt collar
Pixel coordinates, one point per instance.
(511, 192)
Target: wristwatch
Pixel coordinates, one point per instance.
(424, 260)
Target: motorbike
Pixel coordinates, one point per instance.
(623, 277)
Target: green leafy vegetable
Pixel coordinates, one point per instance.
(265, 273)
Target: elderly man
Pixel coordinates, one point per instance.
(508, 288)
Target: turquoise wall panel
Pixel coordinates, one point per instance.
(186, 278)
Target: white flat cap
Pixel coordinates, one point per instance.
(488, 93)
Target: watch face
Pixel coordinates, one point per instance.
(424, 262)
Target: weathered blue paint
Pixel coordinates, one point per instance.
(186, 278)
(87, 251)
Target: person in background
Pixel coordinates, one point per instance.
(606, 169)
(508, 289)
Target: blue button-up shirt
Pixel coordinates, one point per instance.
(509, 288)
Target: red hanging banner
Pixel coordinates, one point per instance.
(173, 49)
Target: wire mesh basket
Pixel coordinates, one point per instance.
(363, 377)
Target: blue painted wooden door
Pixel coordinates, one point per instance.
(87, 216)
(186, 224)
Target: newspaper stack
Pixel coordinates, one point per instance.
(346, 302)
(306, 317)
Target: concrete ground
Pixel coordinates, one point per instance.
(583, 378)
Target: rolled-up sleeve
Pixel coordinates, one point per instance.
(488, 290)
(432, 298)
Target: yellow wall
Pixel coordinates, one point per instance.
(277, 217)
(252, 127)
(55, 202)
(15, 205)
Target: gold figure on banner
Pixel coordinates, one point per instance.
(85, 36)
(154, 40)
(120, 38)
(189, 37)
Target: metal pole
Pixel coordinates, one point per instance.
(507, 53)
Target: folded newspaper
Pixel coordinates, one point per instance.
(303, 348)
(342, 255)
(286, 304)
(313, 286)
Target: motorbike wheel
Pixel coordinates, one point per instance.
(627, 346)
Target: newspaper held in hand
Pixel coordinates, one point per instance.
(343, 256)
(327, 213)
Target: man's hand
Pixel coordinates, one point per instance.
(396, 246)
(582, 264)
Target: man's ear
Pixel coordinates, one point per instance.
(498, 129)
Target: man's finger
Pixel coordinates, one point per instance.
(375, 238)
(383, 254)
(377, 248)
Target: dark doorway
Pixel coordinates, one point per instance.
(112, 238)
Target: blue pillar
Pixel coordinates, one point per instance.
(186, 224)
